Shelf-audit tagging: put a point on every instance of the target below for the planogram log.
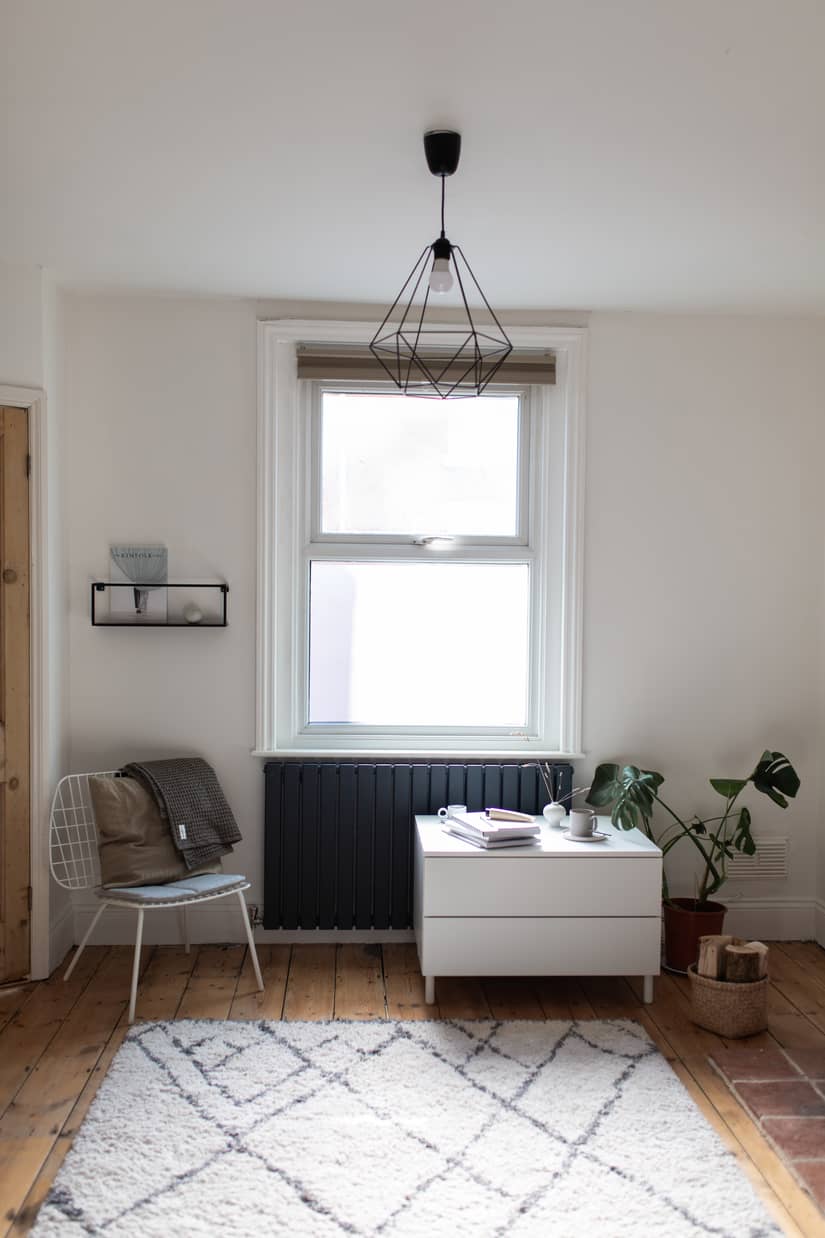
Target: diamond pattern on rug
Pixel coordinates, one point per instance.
(400, 1130)
(360, 1143)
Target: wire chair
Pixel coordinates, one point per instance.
(75, 865)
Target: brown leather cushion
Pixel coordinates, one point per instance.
(134, 842)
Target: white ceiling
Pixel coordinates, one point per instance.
(617, 153)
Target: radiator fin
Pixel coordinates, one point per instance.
(770, 861)
(338, 834)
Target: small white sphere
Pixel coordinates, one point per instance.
(192, 613)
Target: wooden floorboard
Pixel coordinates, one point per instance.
(211, 988)
(404, 984)
(462, 998)
(26, 1036)
(310, 992)
(166, 976)
(26, 1213)
(249, 1002)
(562, 997)
(13, 998)
(794, 982)
(57, 1039)
(359, 983)
(510, 998)
(39, 1110)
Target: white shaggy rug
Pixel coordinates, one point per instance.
(423, 1130)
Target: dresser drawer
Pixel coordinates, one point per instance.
(543, 946)
(538, 886)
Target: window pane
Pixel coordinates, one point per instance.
(401, 464)
(419, 644)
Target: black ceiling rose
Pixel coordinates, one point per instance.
(423, 355)
(443, 150)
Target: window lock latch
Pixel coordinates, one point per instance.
(436, 542)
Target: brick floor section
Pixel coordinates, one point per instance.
(785, 1094)
(788, 1097)
(798, 1138)
(812, 1176)
(811, 1062)
(743, 1062)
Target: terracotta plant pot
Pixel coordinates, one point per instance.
(684, 925)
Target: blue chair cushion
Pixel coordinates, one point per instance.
(208, 885)
(212, 883)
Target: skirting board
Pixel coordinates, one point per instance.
(771, 919)
(220, 921)
(214, 922)
(819, 927)
(61, 937)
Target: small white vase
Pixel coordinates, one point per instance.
(554, 814)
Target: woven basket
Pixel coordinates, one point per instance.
(728, 1009)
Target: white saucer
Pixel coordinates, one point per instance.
(595, 837)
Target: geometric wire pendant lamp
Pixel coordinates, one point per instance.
(421, 355)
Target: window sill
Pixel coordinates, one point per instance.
(421, 754)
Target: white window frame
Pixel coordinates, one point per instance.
(286, 413)
(310, 398)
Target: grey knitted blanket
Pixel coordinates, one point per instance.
(188, 794)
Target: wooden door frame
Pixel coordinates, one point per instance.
(44, 763)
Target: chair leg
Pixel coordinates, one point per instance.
(86, 937)
(252, 951)
(184, 928)
(136, 965)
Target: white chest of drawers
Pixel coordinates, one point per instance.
(561, 909)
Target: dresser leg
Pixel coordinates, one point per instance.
(429, 990)
(647, 989)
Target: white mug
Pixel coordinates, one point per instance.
(582, 823)
(444, 813)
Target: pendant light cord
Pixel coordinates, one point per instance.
(443, 185)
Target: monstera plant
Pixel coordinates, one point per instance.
(633, 795)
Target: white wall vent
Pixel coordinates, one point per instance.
(769, 862)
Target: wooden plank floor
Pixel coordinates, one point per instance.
(57, 1039)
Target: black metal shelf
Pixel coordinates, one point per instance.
(217, 620)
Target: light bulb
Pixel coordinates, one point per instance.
(441, 277)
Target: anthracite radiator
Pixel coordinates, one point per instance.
(338, 834)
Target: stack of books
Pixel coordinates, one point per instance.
(495, 827)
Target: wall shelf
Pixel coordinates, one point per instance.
(211, 599)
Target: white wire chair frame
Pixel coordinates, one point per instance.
(75, 865)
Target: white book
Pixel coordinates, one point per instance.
(485, 844)
(478, 823)
(507, 814)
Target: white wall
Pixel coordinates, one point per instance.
(160, 447)
(21, 325)
(55, 747)
(703, 543)
(704, 540)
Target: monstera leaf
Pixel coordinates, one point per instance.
(632, 793)
(628, 791)
(775, 777)
(728, 787)
(742, 837)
